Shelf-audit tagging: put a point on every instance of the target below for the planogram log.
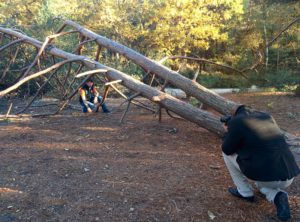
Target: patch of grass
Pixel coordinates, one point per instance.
(195, 102)
(297, 90)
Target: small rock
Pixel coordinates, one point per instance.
(291, 115)
(86, 169)
(214, 167)
(131, 209)
(173, 130)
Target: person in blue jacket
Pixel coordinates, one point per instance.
(254, 148)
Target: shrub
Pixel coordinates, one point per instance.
(297, 91)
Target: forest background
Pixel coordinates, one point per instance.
(235, 33)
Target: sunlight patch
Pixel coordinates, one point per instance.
(6, 190)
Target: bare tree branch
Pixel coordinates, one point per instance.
(10, 44)
(26, 79)
(204, 60)
(282, 31)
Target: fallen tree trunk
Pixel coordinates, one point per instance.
(192, 88)
(202, 118)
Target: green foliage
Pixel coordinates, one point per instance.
(214, 79)
(195, 102)
(230, 32)
(281, 79)
(218, 80)
(297, 90)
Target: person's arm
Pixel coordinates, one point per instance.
(83, 97)
(95, 91)
(233, 138)
(96, 94)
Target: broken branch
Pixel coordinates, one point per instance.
(26, 79)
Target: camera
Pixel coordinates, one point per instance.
(225, 119)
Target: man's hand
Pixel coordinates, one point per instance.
(89, 110)
(225, 127)
(86, 103)
(95, 100)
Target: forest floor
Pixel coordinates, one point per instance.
(89, 167)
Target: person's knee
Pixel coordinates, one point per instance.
(91, 105)
(224, 155)
(228, 157)
(99, 99)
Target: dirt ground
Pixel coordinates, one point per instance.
(89, 167)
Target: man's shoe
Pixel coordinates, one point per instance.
(281, 202)
(233, 191)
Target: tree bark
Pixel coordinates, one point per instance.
(202, 118)
(192, 88)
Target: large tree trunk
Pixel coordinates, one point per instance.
(202, 118)
(192, 88)
(183, 109)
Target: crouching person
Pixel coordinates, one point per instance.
(254, 148)
(89, 98)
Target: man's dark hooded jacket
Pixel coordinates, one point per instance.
(263, 154)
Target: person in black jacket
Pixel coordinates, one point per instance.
(254, 148)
